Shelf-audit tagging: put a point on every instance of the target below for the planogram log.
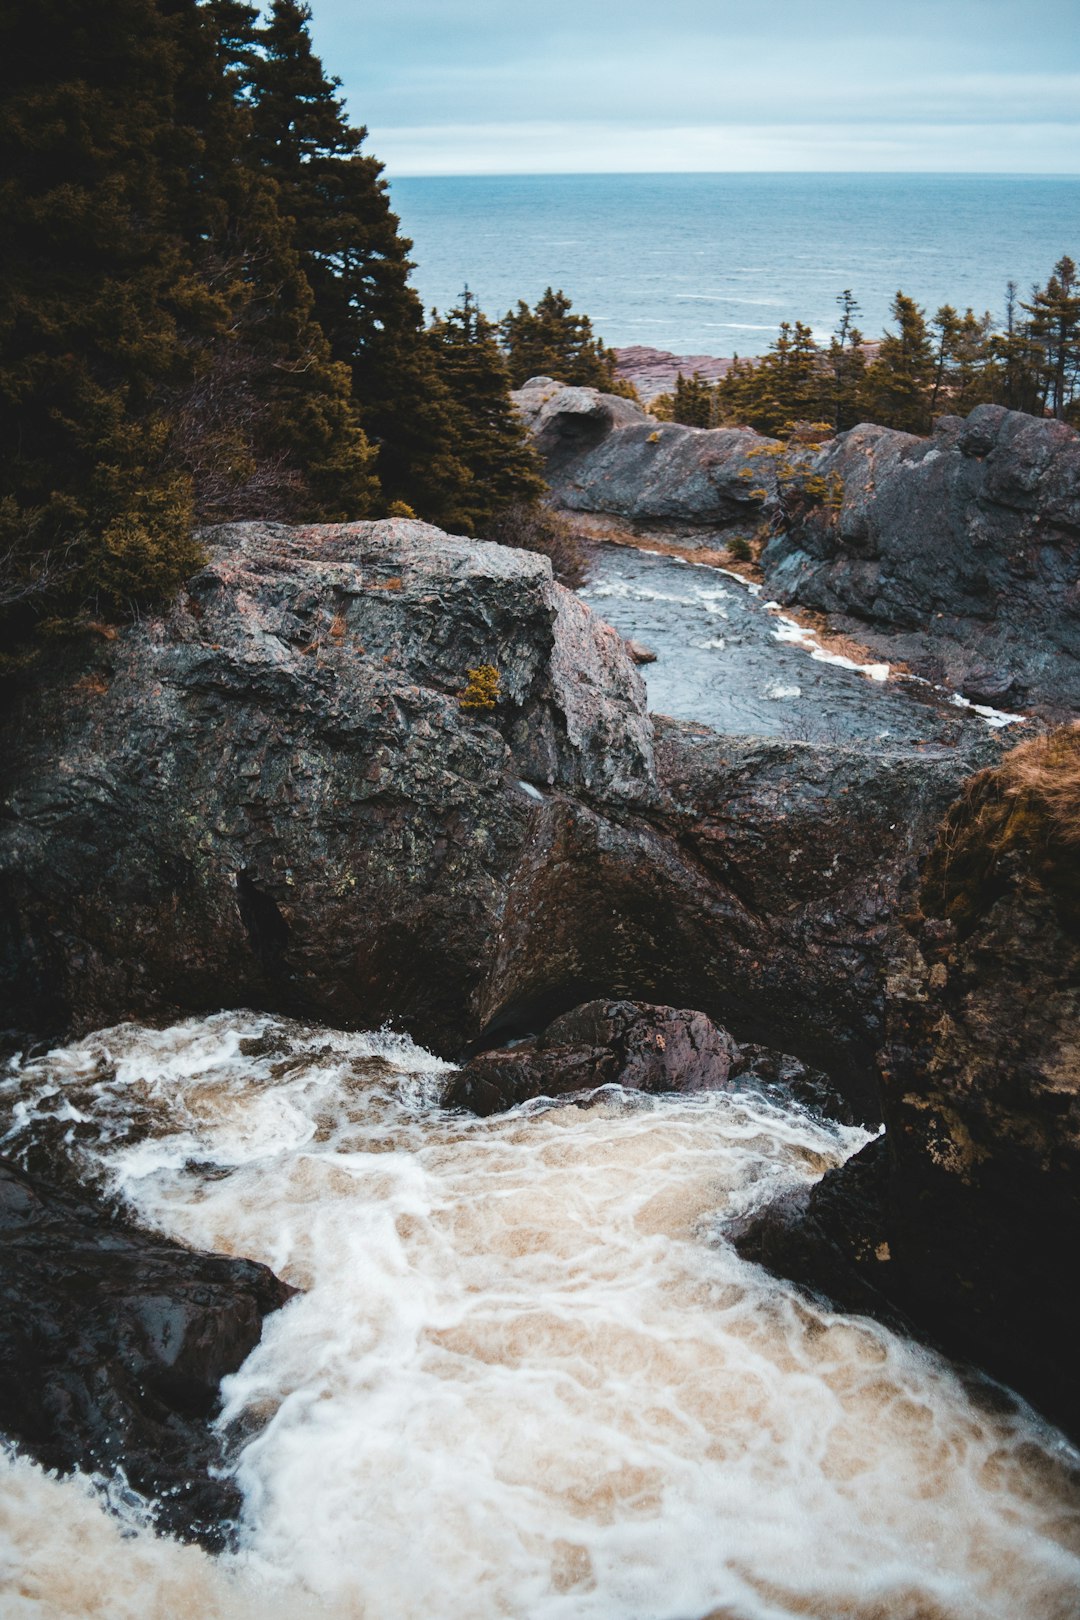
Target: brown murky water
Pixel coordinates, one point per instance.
(528, 1378)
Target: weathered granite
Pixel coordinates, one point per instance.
(959, 553)
(605, 454)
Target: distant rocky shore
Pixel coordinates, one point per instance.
(653, 371)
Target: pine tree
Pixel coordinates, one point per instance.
(692, 402)
(491, 440)
(847, 362)
(97, 309)
(551, 341)
(1014, 360)
(898, 382)
(1055, 333)
(357, 264)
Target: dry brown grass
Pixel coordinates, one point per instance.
(1018, 821)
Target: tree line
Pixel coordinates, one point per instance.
(918, 370)
(206, 311)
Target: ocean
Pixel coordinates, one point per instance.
(712, 263)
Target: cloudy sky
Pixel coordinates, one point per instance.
(524, 86)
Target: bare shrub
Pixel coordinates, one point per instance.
(532, 526)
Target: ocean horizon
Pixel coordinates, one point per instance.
(711, 263)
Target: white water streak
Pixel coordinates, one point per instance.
(527, 1378)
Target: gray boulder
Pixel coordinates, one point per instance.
(272, 796)
(604, 454)
(961, 550)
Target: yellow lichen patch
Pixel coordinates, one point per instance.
(481, 691)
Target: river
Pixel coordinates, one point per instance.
(730, 658)
(527, 1376)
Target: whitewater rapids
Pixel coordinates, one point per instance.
(527, 1376)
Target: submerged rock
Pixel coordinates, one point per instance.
(626, 1043)
(114, 1343)
(961, 551)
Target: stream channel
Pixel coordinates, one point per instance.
(527, 1377)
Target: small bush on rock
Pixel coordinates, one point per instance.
(481, 691)
(531, 526)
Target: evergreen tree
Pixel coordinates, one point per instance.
(788, 385)
(551, 341)
(692, 402)
(1013, 360)
(95, 301)
(491, 441)
(898, 381)
(847, 363)
(1055, 334)
(357, 264)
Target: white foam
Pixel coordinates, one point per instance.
(799, 635)
(528, 1377)
(993, 717)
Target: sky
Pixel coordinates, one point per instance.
(588, 86)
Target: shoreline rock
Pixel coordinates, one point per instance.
(965, 1218)
(114, 1343)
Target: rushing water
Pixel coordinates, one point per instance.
(527, 1377)
(729, 658)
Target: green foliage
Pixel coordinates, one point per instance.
(357, 265)
(481, 691)
(788, 384)
(693, 402)
(158, 359)
(489, 436)
(917, 371)
(1054, 333)
(897, 387)
(550, 341)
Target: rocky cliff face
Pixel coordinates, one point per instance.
(958, 554)
(967, 1216)
(964, 548)
(605, 454)
(274, 797)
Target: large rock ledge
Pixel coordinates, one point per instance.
(958, 554)
(605, 454)
(114, 1343)
(963, 549)
(273, 797)
(966, 1216)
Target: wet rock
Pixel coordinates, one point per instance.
(831, 1238)
(639, 1046)
(959, 553)
(605, 454)
(967, 1218)
(272, 797)
(638, 652)
(114, 1344)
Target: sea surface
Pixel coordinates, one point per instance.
(712, 263)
